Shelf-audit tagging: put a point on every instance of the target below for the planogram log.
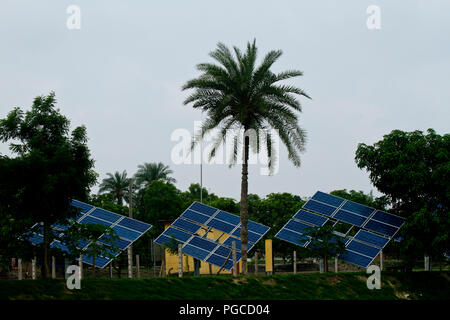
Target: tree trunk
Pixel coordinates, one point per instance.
(244, 206)
(46, 245)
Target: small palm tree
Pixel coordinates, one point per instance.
(149, 172)
(237, 94)
(116, 184)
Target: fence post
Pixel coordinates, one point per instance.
(295, 261)
(130, 263)
(321, 262)
(233, 247)
(53, 268)
(19, 269)
(80, 265)
(256, 262)
(180, 260)
(381, 260)
(33, 268)
(335, 264)
(138, 267)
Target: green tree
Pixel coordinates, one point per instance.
(323, 243)
(362, 198)
(117, 184)
(149, 172)
(237, 94)
(105, 247)
(413, 170)
(52, 165)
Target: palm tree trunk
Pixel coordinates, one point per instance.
(244, 206)
(45, 262)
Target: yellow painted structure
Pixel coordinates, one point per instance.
(269, 256)
(188, 261)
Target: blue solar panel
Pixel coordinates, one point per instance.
(380, 228)
(357, 208)
(328, 199)
(220, 225)
(228, 217)
(36, 238)
(292, 237)
(257, 227)
(204, 209)
(388, 218)
(194, 216)
(177, 234)
(297, 226)
(126, 233)
(219, 261)
(202, 243)
(252, 237)
(310, 217)
(81, 205)
(349, 218)
(100, 262)
(186, 225)
(362, 248)
(195, 252)
(371, 238)
(355, 258)
(59, 245)
(135, 224)
(92, 220)
(319, 207)
(223, 251)
(105, 215)
(118, 243)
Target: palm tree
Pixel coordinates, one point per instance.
(237, 94)
(149, 172)
(116, 184)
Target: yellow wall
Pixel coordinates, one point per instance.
(269, 256)
(172, 259)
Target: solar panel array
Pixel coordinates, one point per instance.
(186, 230)
(377, 227)
(127, 229)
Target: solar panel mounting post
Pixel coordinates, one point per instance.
(180, 260)
(19, 269)
(294, 258)
(53, 268)
(33, 268)
(233, 248)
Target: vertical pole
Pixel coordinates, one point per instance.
(19, 269)
(80, 265)
(269, 257)
(295, 261)
(256, 262)
(233, 247)
(110, 270)
(425, 260)
(321, 262)
(180, 260)
(336, 264)
(53, 268)
(66, 265)
(138, 267)
(33, 268)
(154, 258)
(130, 214)
(381, 260)
(201, 167)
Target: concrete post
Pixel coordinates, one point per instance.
(138, 267)
(381, 260)
(336, 264)
(233, 248)
(33, 268)
(19, 269)
(295, 261)
(80, 265)
(256, 262)
(53, 268)
(66, 265)
(110, 270)
(321, 263)
(180, 260)
(130, 263)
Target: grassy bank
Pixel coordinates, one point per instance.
(416, 285)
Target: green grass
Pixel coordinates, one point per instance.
(416, 285)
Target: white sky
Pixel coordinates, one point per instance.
(121, 76)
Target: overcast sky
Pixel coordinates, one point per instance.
(121, 76)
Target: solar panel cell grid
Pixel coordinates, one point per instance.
(349, 218)
(81, 205)
(371, 238)
(328, 199)
(195, 252)
(204, 209)
(202, 243)
(177, 234)
(380, 228)
(292, 237)
(105, 215)
(126, 233)
(297, 226)
(388, 218)
(134, 224)
(257, 227)
(220, 225)
(252, 237)
(118, 243)
(355, 258)
(357, 208)
(195, 216)
(186, 225)
(92, 220)
(364, 249)
(310, 217)
(319, 207)
(228, 217)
